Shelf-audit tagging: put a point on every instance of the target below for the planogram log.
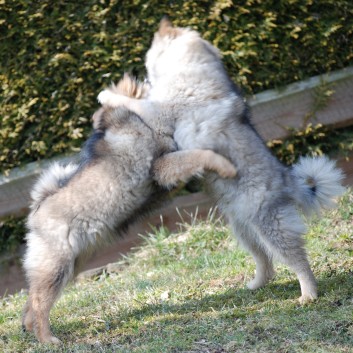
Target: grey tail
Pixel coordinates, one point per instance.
(50, 181)
(318, 183)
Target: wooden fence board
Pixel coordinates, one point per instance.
(15, 188)
(274, 112)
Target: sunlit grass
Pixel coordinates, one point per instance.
(185, 292)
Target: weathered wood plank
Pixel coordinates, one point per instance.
(15, 187)
(273, 112)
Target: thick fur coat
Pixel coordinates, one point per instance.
(192, 92)
(126, 167)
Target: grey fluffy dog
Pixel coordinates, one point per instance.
(77, 206)
(191, 90)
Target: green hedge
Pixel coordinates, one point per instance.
(55, 56)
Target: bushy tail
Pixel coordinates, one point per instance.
(50, 181)
(318, 182)
(130, 87)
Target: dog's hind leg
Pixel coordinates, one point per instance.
(177, 166)
(250, 242)
(27, 317)
(45, 287)
(281, 230)
(264, 267)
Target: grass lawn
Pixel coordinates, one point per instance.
(185, 292)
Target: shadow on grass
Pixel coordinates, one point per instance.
(271, 315)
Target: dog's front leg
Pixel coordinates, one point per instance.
(140, 107)
(178, 166)
(111, 99)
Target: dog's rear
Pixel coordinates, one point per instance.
(50, 181)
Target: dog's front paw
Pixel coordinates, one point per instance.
(225, 169)
(105, 97)
(228, 172)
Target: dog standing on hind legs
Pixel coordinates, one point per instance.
(190, 90)
(126, 168)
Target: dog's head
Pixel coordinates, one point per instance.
(174, 48)
(119, 128)
(114, 119)
(119, 121)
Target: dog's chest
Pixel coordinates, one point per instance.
(195, 132)
(203, 125)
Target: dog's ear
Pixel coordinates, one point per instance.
(98, 119)
(165, 26)
(166, 29)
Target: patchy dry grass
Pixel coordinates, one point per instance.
(185, 292)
